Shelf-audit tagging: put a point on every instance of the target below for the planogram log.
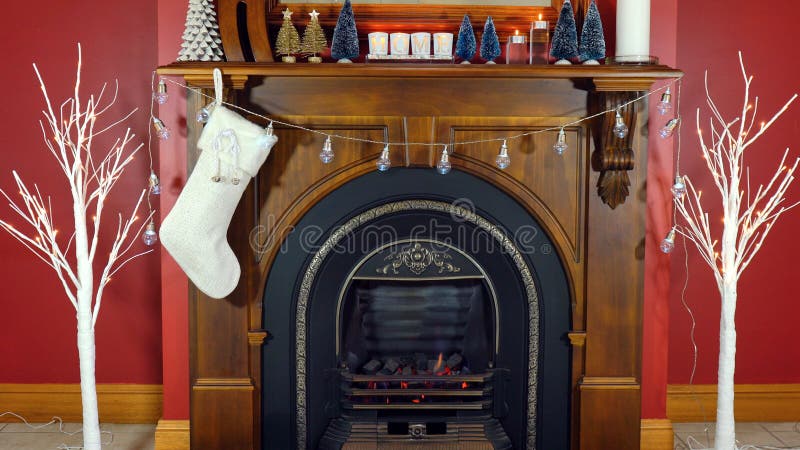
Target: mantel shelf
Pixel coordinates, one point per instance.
(604, 77)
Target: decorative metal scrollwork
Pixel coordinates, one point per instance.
(418, 259)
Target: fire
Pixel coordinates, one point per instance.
(415, 400)
(404, 385)
(439, 364)
(464, 385)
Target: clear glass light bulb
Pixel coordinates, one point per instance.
(150, 237)
(203, 115)
(384, 163)
(620, 129)
(668, 244)
(270, 129)
(444, 166)
(326, 155)
(503, 160)
(160, 95)
(155, 184)
(669, 129)
(679, 188)
(665, 105)
(561, 144)
(161, 130)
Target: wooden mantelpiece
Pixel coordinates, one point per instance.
(598, 237)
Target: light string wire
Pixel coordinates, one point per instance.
(60, 422)
(429, 144)
(150, 141)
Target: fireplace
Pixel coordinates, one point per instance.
(560, 239)
(420, 320)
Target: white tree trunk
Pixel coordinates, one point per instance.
(725, 436)
(86, 347)
(86, 354)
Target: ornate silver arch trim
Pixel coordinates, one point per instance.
(310, 275)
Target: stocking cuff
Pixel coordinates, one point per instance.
(253, 141)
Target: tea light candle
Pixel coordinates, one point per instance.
(633, 30)
(378, 43)
(443, 44)
(517, 49)
(399, 43)
(421, 44)
(540, 41)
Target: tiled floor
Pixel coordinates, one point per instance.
(18, 436)
(750, 435)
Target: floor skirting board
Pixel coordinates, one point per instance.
(752, 402)
(172, 435)
(657, 434)
(117, 403)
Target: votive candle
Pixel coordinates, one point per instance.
(540, 42)
(421, 44)
(517, 49)
(443, 44)
(399, 43)
(378, 43)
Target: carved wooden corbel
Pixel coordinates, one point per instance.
(613, 156)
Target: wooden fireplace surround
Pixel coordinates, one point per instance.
(582, 199)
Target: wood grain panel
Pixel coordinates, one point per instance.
(117, 403)
(172, 435)
(555, 181)
(226, 418)
(657, 434)
(618, 427)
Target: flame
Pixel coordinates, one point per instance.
(404, 385)
(439, 364)
(516, 32)
(464, 385)
(415, 400)
(540, 17)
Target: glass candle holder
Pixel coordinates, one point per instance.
(421, 44)
(540, 42)
(517, 49)
(399, 43)
(378, 43)
(443, 44)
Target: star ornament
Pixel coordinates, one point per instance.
(287, 14)
(314, 14)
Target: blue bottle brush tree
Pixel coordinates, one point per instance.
(490, 43)
(593, 43)
(564, 47)
(344, 46)
(465, 45)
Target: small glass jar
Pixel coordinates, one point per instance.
(517, 49)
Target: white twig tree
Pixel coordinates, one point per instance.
(69, 133)
(750, 210)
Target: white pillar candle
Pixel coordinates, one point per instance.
(399, 43)
(633, 30)
(443, 44)
(421, 44)
(378, 43)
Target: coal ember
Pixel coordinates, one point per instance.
(372, 367)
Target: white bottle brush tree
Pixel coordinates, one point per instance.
(750, 209)
(70, 132)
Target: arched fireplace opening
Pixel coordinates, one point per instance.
(409, 308)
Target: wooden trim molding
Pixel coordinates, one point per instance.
(172, 435)
(753, 402)
(657, 434)
(118, 403)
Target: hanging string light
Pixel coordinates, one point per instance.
(665, 105)
(561, 143)
(384, 163)
(503, 160)
(668, 129)
(444, 166)
(668, 244)
(155, 184)
(149, 236)
(620, 129)
(326, 155)
(161, 130)
(161, 96)
(204, 114)
(679, 188)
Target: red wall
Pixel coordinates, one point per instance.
(37, 324)
(709, 35)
